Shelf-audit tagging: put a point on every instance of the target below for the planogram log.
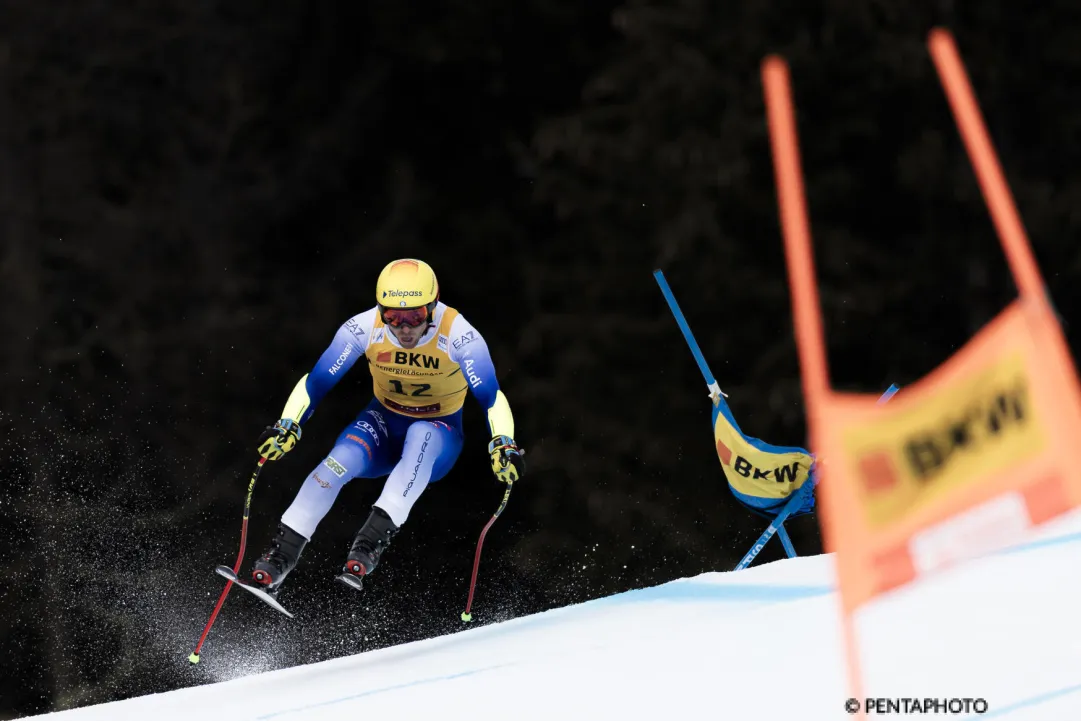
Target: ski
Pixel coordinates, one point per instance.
(350, 580)
(258, 592)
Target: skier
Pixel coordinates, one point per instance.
(422, 355)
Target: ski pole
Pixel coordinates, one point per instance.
(466, 616)
(194, 657)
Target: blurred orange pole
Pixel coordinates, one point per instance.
(799, 255)
(796, 228)
(985, 162)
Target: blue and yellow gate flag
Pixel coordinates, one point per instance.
(762, 476)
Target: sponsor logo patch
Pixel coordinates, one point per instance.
(380, 421)
(333, 465)
(371, 430)
(341, 359)
(411, 410)
(474, 379)
(416, 468)
(467, 337)
(353, 327)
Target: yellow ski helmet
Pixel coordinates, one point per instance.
(407, 283)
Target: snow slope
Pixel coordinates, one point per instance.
(763, 643)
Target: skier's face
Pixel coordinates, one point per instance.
(408, 336)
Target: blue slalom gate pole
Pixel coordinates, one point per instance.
(711, 383)
(789, 549)
(777, 526)
(889, 393)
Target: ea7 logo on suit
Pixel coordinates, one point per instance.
(467, 337)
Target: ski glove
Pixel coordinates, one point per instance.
(279, 439)
(507, 463)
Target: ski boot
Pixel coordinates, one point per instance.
(368, 545)
(272, 568)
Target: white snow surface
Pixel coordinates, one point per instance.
(760, 644)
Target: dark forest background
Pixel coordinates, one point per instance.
(194, 195)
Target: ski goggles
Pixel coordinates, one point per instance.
(409, 317)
